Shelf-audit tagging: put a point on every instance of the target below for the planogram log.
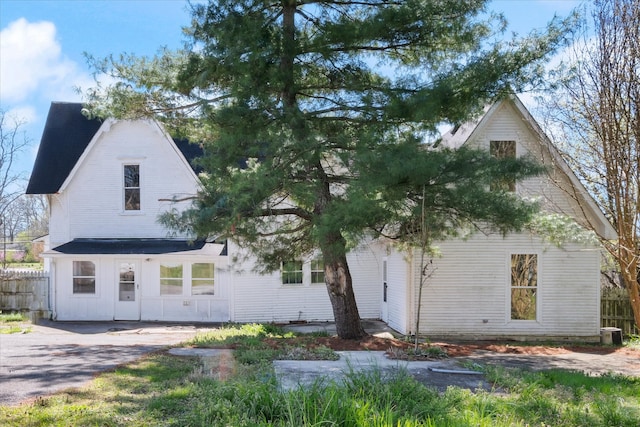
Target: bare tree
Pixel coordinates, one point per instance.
(12, 142)
(596, 120)
(27, 213)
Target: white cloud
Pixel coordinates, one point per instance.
(32, 64)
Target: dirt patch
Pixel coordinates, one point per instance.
(453, 349)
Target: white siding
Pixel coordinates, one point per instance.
(91, 205)
(152, 306)
(469, 293)
(263, 298)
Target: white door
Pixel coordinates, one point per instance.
(127, 291)
(385, 285)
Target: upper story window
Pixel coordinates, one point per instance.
(503, 150)
(131, 187)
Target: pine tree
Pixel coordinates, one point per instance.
(315, 118)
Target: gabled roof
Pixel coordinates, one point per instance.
(460, 135)
(67, 133)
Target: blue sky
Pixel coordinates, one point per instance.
(42, 44)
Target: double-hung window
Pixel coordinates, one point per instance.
(524, 286)
(131, 187)
(202, 278)
(171, 279)
(84, 277)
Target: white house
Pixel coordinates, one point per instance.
(109, 258)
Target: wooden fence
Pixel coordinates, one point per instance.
(25, 291)
(615, 311)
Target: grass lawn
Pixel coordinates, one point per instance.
(164, 390)
(14, 323)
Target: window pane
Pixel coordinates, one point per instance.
(202, 270)
(170, 287)
(132, 199)
(131, 176)
(171, 271)
(84, 268)
(523, 304)
(503, 149)
(524, 270)
(524, 286)
(202, 287)
(82, 285)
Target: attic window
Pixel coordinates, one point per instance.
(503, 150)
(131, 187)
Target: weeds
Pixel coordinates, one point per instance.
(173, 391)
(14, 323)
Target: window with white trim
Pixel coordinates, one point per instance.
(524, 286)
(202, 278)
(171, 279)
(84, 277)
(131, 187)
(317, 271)
(291, 272)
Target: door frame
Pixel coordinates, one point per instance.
(123, 309)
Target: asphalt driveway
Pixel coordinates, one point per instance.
(58, 355)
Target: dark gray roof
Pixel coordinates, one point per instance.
(128, 246)
(66, 135)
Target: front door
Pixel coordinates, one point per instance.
(127, 295)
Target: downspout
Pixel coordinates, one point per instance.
(411, 318)
(52, 289)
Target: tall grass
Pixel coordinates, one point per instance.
(164, 390)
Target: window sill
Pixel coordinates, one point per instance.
(132, 213)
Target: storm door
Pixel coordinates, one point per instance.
(127, 291)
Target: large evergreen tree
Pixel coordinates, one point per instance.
(314, 117)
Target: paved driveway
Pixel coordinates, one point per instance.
(59, 355)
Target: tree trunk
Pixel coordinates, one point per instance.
(628, 260)
(340, 288)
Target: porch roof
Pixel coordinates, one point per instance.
(135, 247)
